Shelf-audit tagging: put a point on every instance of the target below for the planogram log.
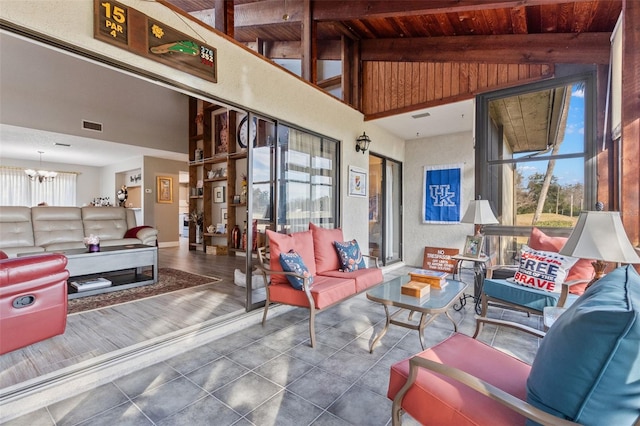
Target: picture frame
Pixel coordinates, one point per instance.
(357, 182)
(223, 215)
(218, 194)
(473, 246)
(221, 228)
(164, 189)
(236, 199)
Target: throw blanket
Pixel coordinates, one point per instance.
(131, 233)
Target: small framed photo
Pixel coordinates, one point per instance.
(218, 194)
(357, 182)
(164, 188)
(221, 228)
(236, 199)
(223, 214)
(473, 246)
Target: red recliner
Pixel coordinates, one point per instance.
(33, 299)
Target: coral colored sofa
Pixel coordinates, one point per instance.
(33, 299)
(330, 285)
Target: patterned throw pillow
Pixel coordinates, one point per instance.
(350, 256)
(292, 262)
(544, 270)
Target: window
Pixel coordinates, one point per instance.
(61, 191)
(535, 158)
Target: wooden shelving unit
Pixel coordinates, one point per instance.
(213, 163)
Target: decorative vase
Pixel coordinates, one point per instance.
(198, 237)
(236, 237)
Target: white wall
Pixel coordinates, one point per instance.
(439, 150)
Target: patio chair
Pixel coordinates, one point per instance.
(586, 370)
(501, 291)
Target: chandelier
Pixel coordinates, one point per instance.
(40, 175)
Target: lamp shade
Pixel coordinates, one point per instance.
(479, 213)
(600, 235)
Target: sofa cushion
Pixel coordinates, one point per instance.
(15, 227)
(587, 368)
(107, 223)
(325, 291)
(349, 256)
(544, 270)
(292, 262)
(437, 400)
(300, 242)
(524, 296)
(365, 278)
(55, 225)
(323, 248)
(581, 270)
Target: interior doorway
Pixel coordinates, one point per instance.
(385, 209)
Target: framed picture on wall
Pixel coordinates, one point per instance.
(164, 189)
(218, 194)
(223, 214)
(357, 182)
(473, 246)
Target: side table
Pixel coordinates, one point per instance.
(479, 270)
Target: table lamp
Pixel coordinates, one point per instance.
(600, 236)
(479, 213)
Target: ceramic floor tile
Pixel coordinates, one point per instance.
(320, 387)
(376, 379)
(39, 417)
(247, 393)
(283, 369)
(284, 409)
(360, 406)
(312, 355)
(217, 374)
(148, 378)
(206, 411)
(348, 366)
(165, 400)
(195, 358)
(253, 355)
(81, 407)
(334, 337)
(126, 414)
(328, 419)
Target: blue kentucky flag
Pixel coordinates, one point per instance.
(442, 192)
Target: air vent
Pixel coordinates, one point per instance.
(90, 125)
(61, 144)
(424, 114)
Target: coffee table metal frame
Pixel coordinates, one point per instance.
(438, 302)
(111, 259)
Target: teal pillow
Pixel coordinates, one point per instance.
(292, 262)
(587, 368)
(350, 256)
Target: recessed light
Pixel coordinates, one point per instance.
(424, 114)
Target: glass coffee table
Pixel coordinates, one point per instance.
(429, 307)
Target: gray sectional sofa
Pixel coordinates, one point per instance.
(45, 229)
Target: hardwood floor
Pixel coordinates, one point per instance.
(95, 333)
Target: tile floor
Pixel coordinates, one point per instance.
(271, 376)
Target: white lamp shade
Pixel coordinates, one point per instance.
(599, 235)
(479, 213)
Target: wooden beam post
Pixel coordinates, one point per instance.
(630, 149)
(224, 16)
(309, 55)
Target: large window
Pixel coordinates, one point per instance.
(535, 158)
(61, 191)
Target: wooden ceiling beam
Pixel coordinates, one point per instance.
(585, 48)
(271, 12)
(329, 50)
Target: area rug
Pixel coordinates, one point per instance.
(168, 280)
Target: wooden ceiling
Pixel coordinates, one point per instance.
(382, 39)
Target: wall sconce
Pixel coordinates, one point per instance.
(362, 143)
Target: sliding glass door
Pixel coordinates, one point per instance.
(385, 209)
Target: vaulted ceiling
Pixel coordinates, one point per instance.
(401, 56)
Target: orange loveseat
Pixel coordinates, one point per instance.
(330, 285)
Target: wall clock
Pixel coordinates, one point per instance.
(243, 134)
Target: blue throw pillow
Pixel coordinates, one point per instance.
(292, 262)
(350, 256)
(587, 368)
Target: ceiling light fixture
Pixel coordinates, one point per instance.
(285, 15)
(41, 175)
